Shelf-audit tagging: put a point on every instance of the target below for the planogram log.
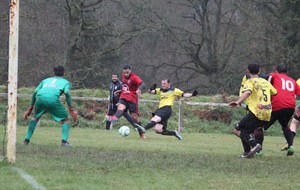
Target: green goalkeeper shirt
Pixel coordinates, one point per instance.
(51, 88)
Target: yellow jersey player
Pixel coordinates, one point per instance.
(168, 95)
(258, 91)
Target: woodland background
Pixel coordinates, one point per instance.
(198, 44)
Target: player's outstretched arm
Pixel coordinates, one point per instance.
(187, 94)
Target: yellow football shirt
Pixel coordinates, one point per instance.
(298, 82)
(167, 98)
(259, 102)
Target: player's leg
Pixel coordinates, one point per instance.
(284, 118)
(39, 110)
(30, 130)
(59, 114)
(293, 126)
(137, 124)
(244, 130)
(259, 132)
(161, 114)
(122, 106)
(274, 117)
(111, 112)
(154, 120)
(161, 128)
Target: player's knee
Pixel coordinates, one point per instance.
(236, 132)
(158, 129)
(156, 119)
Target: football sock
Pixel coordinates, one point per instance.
(150, 125)
(248, 138)
(31, 128)
(246, 146)
(169, 133)
(108, 125)
(65, 128)
(129, 119)
(119, 113)
(288, 135)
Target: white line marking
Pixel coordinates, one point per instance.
(29, 179)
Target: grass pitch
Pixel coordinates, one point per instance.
(103, 159)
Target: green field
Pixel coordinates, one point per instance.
(102, 159)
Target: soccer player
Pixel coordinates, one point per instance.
(161, 116)
(258, 91)
(258, 133)
(114, 94)
(284, 103)
(132, 87)
(294, 123)
(45, 98)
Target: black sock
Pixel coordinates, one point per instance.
(169, 133)
(246, 146)
(129, 119)
(108, 125)
(119, 113)
(150, 125)
(248, 138)
(288, 136)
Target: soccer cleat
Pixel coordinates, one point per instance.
(65, 143)
(143, 130)
(26, 142)
(285, 147)
(254, 150)
(177, 135)
(111, 118)
(245, 155)
(142, 136)
(290, 151)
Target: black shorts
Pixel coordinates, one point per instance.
(283, 116)
(249, 123)
(130, 106)
(164, 113)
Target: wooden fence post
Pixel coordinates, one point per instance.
(181, 115)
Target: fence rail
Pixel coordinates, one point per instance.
(181, 103)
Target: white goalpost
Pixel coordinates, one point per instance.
(12, 80)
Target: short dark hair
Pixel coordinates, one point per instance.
(253, 68)
(125, 67)
(59, 71)
(281, 68)
(115, 74)
(168, 80)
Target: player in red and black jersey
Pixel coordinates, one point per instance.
(128, 102)
(283, 105)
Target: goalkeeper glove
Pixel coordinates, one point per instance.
(153, 87)
(195, 93)
(27, 112)
(73, 113)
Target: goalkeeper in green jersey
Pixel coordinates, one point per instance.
(45, 98)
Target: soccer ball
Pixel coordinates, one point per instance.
(124, 131)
